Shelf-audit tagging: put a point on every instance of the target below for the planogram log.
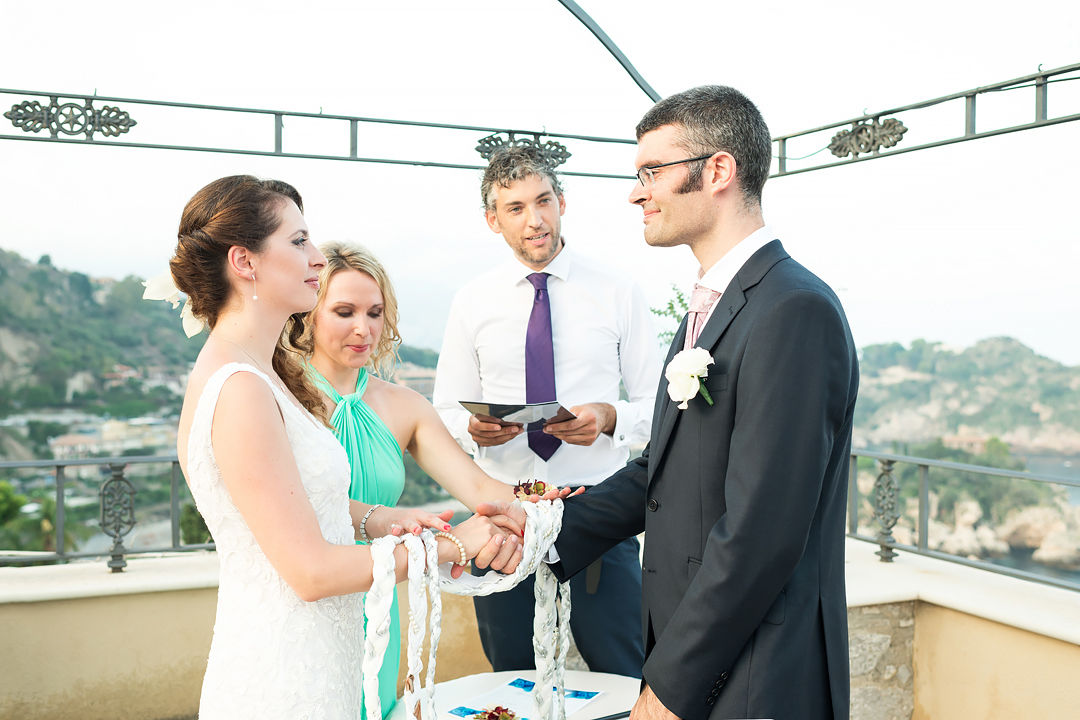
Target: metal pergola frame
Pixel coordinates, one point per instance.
(870, 136)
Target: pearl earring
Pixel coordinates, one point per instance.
(255, 287)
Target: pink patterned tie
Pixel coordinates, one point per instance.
(701, 301)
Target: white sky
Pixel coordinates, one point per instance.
(952, 244)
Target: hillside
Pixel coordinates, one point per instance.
(62, 333)
(998, 387)
(68, 340)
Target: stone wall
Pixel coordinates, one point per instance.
(881, 651)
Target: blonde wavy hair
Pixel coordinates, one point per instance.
(341, 257)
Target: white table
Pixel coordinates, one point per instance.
(619, 692)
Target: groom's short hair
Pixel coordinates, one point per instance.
(712, 118)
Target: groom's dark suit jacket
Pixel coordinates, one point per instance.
(743, 508)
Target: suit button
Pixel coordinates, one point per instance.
(653, 505)
(723, 677)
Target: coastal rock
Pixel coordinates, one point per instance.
(1029, 528)
(990, 542)
(1060, 549)
(962, 541)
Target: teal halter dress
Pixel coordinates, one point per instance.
(378, 477)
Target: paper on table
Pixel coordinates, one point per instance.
(516, 696)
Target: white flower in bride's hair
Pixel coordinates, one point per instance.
(192, 325)
(162, 287)
(684, 374)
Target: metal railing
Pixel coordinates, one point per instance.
(886, 498)
(116, 496)
(117, 516)
(871, 135)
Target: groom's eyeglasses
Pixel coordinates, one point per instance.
(646, 176)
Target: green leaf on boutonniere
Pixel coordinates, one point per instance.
(704, 392)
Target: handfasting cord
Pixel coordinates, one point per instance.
(551, 626)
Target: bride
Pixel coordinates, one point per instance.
(267, 474)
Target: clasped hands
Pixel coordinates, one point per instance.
(493, 537)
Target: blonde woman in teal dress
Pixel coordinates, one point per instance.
(351, 332)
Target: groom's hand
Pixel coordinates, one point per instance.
(649, 707)
(506, 515)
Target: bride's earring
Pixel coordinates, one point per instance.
(254, 286)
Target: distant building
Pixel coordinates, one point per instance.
(420, 379)
(119, 375)
(966, 440)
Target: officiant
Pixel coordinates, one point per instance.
(551, 324)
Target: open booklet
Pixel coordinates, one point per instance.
(527, 414)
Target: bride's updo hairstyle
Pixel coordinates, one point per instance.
(237, 210)
(341, 257)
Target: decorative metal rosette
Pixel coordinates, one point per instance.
(886, 501)
(886, 508)
(117, 512)
(555, 153)
(867, 137)
(69, 118)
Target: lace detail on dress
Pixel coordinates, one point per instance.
(274, 655)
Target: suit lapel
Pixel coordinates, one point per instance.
(666, 412)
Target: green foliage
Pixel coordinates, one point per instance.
(10, 503)
(37, 531)
(419, 489)
(675, 310)
(193, 530)
(418, 356)
(996, 386)
(997, 496)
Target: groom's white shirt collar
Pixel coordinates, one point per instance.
(723, 270)
(720, 275)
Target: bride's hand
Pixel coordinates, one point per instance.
(401, 520)
(488, 545)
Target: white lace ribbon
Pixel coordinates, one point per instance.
(551, 625)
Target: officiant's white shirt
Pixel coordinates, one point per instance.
(602, 333)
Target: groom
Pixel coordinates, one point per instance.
(742, 500)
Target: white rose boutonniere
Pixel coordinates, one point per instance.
(684, 374)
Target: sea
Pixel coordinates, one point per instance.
(1061, 466)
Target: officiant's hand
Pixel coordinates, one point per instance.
(592, 419)
(649, 707)
(487, 434)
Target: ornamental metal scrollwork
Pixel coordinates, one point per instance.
(556, 153)
(117, 513)
(70, 118)
(867, 137)
(886, 508)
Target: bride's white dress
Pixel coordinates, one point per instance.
(274, 655)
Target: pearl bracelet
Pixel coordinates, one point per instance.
(460, 545)
(363, 524)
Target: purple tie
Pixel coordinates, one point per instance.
(540, 364)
